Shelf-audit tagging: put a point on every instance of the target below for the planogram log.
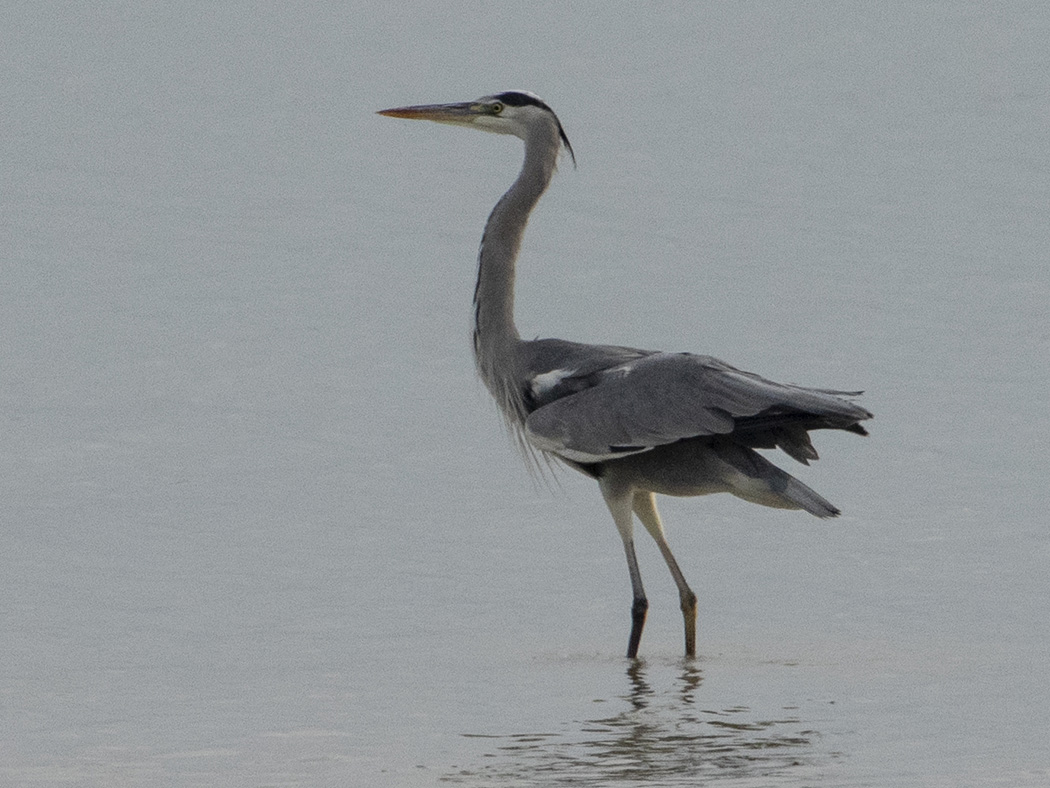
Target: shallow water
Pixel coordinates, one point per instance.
(261, 525)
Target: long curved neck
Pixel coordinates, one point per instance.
(495, 334)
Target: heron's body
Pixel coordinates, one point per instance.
(640, 422)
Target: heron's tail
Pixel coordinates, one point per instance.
(754, 478)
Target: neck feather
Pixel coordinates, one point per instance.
(495, 335)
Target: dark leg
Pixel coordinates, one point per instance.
(639, 607)
(619, 502)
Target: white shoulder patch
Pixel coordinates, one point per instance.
(541, 384)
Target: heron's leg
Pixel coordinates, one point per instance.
(645, 508)
(618, 500)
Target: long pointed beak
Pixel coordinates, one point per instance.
(440, 113)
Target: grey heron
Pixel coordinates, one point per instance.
(639, 422)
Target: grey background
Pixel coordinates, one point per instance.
(259, 523)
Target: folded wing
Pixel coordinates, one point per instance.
(661, 398)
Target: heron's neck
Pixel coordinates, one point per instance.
(495, 334)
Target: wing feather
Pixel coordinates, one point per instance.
(666, 397)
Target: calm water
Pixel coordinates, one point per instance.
(260, 524)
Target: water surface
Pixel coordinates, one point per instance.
(261, 525)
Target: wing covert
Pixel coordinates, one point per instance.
(666, 397)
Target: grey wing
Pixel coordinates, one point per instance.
(665, 397)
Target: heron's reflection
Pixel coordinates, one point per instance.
(659, 734)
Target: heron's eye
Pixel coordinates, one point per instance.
(497, 108)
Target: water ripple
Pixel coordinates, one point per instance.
(662, 738)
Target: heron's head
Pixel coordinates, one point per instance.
(516, 112)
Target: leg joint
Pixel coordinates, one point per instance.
(640, 607)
